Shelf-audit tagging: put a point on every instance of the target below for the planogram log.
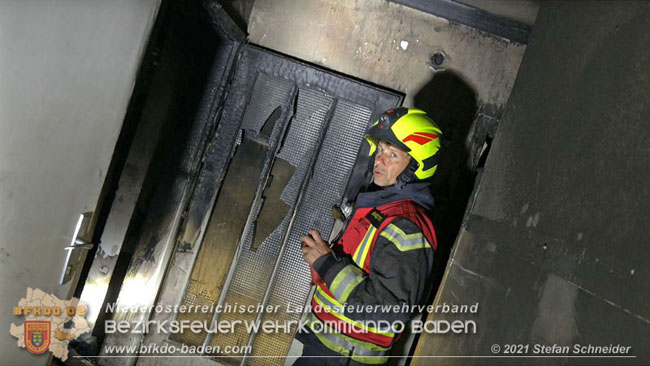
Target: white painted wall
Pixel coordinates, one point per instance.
(67, 71)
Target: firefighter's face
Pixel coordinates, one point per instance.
(390, 161)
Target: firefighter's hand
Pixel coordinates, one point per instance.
(314, 248)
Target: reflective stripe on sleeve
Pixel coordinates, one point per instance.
(335, 308)
(345, 281)
(404, 242)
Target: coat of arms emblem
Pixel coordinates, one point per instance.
(37, 336)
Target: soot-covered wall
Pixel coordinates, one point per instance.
(554, 246)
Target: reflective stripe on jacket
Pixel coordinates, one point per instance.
(407, 235)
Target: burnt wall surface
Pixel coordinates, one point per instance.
(554, 245)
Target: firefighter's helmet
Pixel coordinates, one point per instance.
(412, 131)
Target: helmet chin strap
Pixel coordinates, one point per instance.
(408, 175)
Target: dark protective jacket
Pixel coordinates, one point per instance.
(389, 244)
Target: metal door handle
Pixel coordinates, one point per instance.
(77, 242)
(80, 244)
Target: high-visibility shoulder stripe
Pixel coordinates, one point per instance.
(361, 253)
(359, 248)
(404, 242)
(366, 246)
(346, 281)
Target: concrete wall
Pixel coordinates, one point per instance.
(554, 248)
(524, 11)
(386, 44)
(67, 70)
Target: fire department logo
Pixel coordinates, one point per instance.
(37, 336)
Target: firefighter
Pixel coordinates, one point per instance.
(365, 295)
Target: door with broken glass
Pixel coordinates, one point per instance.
(288, 148)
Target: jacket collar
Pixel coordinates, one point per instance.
(417, 192)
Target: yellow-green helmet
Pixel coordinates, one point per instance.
(414, 132)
